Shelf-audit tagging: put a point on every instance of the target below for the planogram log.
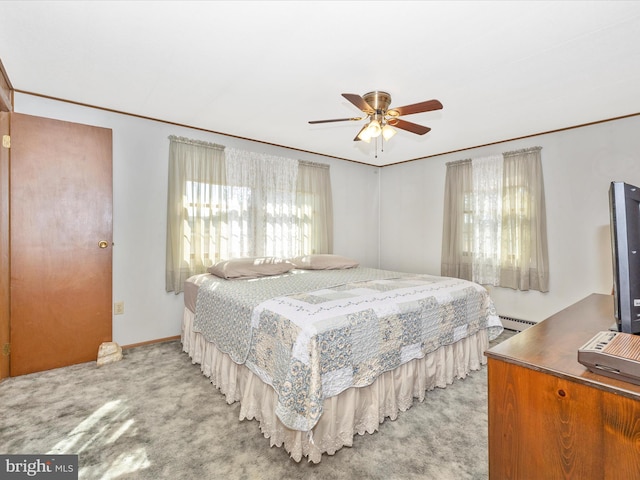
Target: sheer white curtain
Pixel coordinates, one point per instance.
(486, 205)
(314, 203)
(262, 214)
(195, 209)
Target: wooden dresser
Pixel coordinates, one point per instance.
(549, 416)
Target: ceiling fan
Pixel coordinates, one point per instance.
(381, 118)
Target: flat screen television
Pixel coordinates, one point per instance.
(624, 209)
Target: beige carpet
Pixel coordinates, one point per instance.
(154, 416)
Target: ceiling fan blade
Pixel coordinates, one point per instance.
(336, 120)
(427, 106)
(359, 102)
(409, 126)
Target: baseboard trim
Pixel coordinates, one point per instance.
(151, 342)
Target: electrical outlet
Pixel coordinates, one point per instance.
(118, 308)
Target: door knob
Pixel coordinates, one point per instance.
(103, 244)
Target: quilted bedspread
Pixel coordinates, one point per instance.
(313, 334)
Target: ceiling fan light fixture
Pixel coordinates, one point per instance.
(365, 135)
(388, 132)
(374, 128)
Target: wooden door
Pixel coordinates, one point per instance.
(60, 211)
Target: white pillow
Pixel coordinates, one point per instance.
(323, 261)
(250, 267)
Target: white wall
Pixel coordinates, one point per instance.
(405, 233)
(578, 166)
(140, 166)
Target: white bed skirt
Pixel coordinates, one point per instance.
(356, 410)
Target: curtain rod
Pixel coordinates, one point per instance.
(521, 151)
(458, 162)
(506, 154)
(313, 164)
(200, 143)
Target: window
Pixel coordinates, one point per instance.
(203, 223)
(228, 203)
(495, 222)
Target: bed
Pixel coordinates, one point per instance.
(319, 355)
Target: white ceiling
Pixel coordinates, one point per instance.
(262, 70)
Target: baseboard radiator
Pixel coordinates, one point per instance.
(516, 324)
